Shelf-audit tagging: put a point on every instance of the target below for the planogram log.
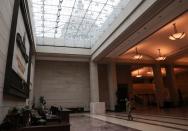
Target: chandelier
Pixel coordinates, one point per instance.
(137, 56)
(138, 74)
(177, 35)
(160, 57)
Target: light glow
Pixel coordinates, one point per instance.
(160, 58)
(138, 74)
(177, 36)
(137, 57)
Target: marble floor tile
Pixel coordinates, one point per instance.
(84, 123)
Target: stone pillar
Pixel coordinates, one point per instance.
(171, 82)
(94, 83)
(159, 85)
(96, 107)
(112, 82)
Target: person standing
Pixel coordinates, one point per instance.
(129, 108)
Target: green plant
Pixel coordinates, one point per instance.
(16, 118)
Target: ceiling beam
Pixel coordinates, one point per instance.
(178, 54)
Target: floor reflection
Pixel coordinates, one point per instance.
(83, 123)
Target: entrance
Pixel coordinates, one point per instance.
(121, 94)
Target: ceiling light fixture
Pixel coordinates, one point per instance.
(160, 57)
(137, 56)
(138, 74)
(149, 73)
(176, 35)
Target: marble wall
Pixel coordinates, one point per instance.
(62, 83)
(6, 102)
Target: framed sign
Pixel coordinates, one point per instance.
(20, 49)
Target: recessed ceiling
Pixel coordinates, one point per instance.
(159, 40)
(74, 23)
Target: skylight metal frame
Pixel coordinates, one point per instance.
(71, 29)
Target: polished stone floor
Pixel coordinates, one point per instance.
(84, 123)
(177, 112)
(145, 119)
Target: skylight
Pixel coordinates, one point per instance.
(73, 23)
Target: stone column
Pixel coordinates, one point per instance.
(159, 85)
(94, 83)
(171, 81)
(112, 82)
(96, 107)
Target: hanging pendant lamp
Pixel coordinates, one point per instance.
(160, 57)
(137, 56)
(177, 35)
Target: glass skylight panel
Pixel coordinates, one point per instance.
(49, 34)
(35, 2)
(37, 8)
(113, 2)
(75, 20)
(68, 3)
(48, 23)
(39, 29)
(39, 33)
(63, 19)
(78, 12)
(50, 9)
(48, 29)
(101, 1)
(99, 22)
(58, 34)
(86, 24)
(71, 23)
(91, 15)
(48, 17)
(66, 11)
(84, 4)
(103, 17)
(51, 2)
(73, 27)
(108, 9)
(95, 6)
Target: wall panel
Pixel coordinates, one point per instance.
(63, 84)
